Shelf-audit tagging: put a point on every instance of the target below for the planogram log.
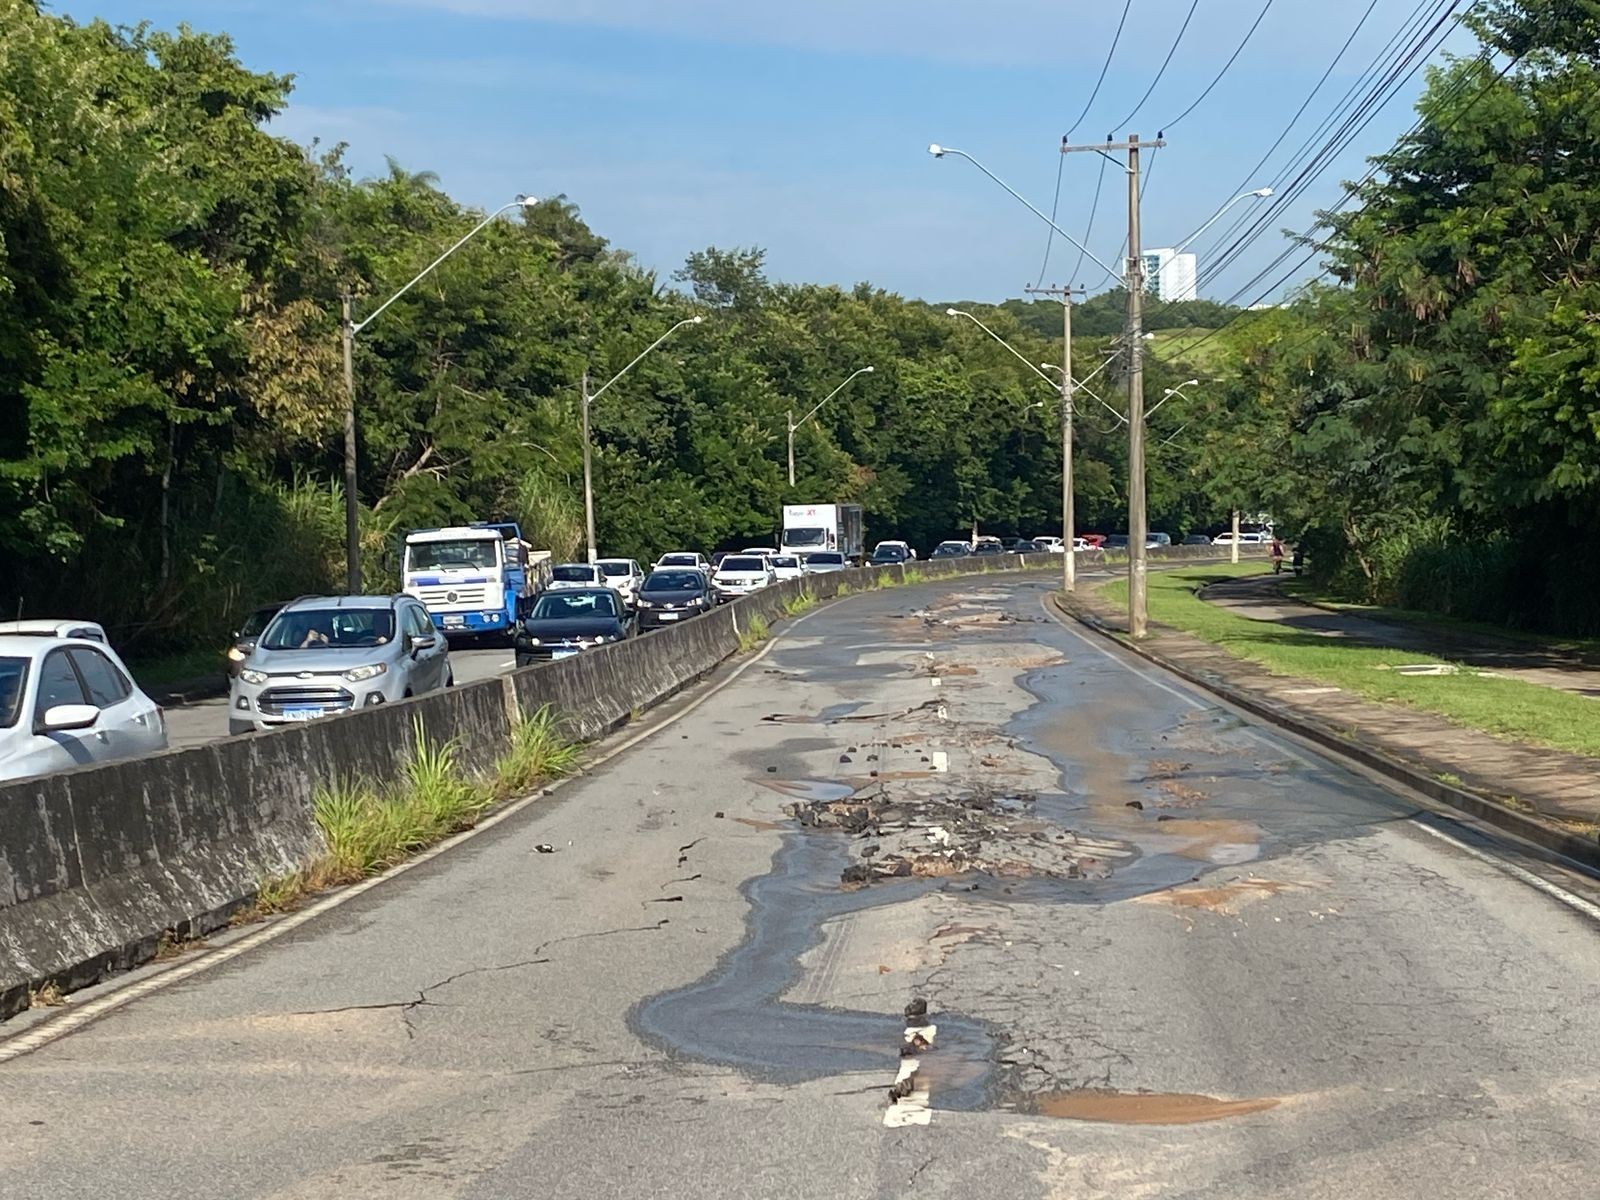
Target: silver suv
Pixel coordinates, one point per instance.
(330, 654)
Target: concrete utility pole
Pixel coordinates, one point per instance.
(1069, 525)
(1234, 556)
(1138, 610)
(352, 511)
(588, 472)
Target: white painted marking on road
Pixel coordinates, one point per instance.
(1094, 645)
(1311, 691)
(941, 760)
(1522, 875)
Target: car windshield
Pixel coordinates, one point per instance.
(679, 560)
(784, 560)
(741, 563)
(13, 682)
(808, 536)
(674, 581)
(612, 567)
(315, 628)
(825, 560)
(565, 606)
(472, 553)
(573, 574)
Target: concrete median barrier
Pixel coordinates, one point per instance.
(98, 864)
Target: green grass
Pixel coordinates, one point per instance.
(753, 634)
(1308, 592)
(1181, 345)
(1508, 707)
(796, 605)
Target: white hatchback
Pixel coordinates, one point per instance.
(575, 575)
(70, 702)
(786, 566)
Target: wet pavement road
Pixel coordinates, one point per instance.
(1167, 953)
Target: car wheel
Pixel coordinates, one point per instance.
(450, 678)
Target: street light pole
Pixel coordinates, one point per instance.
(1069, 531)
(794, 425)
(587, 398)
(1137, 517)
(1258, 194)
(348, 328)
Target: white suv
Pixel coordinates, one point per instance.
(741, 574)
(624, 575)
(69, 702)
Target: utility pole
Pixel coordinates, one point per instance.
(352, 503)
(1138, 621)
(588, 476)
(1069, 525)
(791, 447)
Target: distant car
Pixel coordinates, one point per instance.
(786, 566)
(1197, 539)
(768, 551)
(244, 637)
(988, 546)
(1049, 544)
(70, 702)
(678, 559)
(740, 574)
(1096, 540)
(889, 553)
(673, 595)
(1080, 544)
(624, 575)
(52, 627)
(1028, 546)
(564, 576)
(821, 562)
(895, 544)
(716, 559)
(1153, 540)
(1245, 539)
(1116, 541)
(1011, 544)
(566, 622)
(952, 550)
(330, 654)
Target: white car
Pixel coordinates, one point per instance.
(786, 566)
(52, 628)
(679, 559)
(820, 562)
(70, 702)
(1245, 539)
(894, 543)
(624, 575)
(1079, 543)
(768, 551)
(1052, 545)
(741, 574)
(575, 575)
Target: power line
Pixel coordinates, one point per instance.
(1094, 208)
(1055, 206)
(1165, 63)
(1225, 66)
(1106, 66)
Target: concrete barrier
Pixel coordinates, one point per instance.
(99, 863)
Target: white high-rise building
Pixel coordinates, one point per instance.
(1170, 275)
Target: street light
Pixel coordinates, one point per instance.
(1258, 194)
(589, 398)
(349, 327)
(939, 151)
(793, 424)
(1169, 393)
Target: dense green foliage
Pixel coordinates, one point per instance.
(171, 396)
(1433, 425)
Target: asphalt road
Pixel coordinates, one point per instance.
(1196, 961)
(207, 720)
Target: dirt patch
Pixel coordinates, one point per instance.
(753, 823)
(1181, 794)
(1147, 1108)
(1226, 899)
(1217, 841)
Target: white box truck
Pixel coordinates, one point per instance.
(812, 527)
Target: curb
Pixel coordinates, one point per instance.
(186, 691)
(1550, 837)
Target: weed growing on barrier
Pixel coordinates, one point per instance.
(47, 995)
(538, 751)
(915, 575)
(753, 634)
(796, 605)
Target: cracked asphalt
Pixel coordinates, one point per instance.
(1196, 960)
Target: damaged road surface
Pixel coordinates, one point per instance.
(940, 898)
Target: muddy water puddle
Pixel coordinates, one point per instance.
(1145, 1108)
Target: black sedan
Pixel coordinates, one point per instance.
(888, 556)
(568, 622)
(670, 596)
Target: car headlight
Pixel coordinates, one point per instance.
(370, 671)
(533, 641)
(235, 654)
(250, 675)
(642, 602)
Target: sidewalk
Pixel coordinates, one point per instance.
(1561, 787)
(1260, 598)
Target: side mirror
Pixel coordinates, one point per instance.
(62, 718)
(422, 641)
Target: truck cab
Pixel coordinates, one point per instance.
(472, 579)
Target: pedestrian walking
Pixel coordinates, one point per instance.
(1277, 555)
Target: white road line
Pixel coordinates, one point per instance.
(1522, 875)
(1063, 622)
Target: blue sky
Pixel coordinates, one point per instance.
(802, 125)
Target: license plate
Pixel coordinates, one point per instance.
(303, 712)
(670, 616)
(454, 622)
(555, 654)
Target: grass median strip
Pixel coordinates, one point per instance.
(370, 827)
(1510, 708)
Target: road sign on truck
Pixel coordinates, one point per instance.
(809, 527)
(473, 579)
